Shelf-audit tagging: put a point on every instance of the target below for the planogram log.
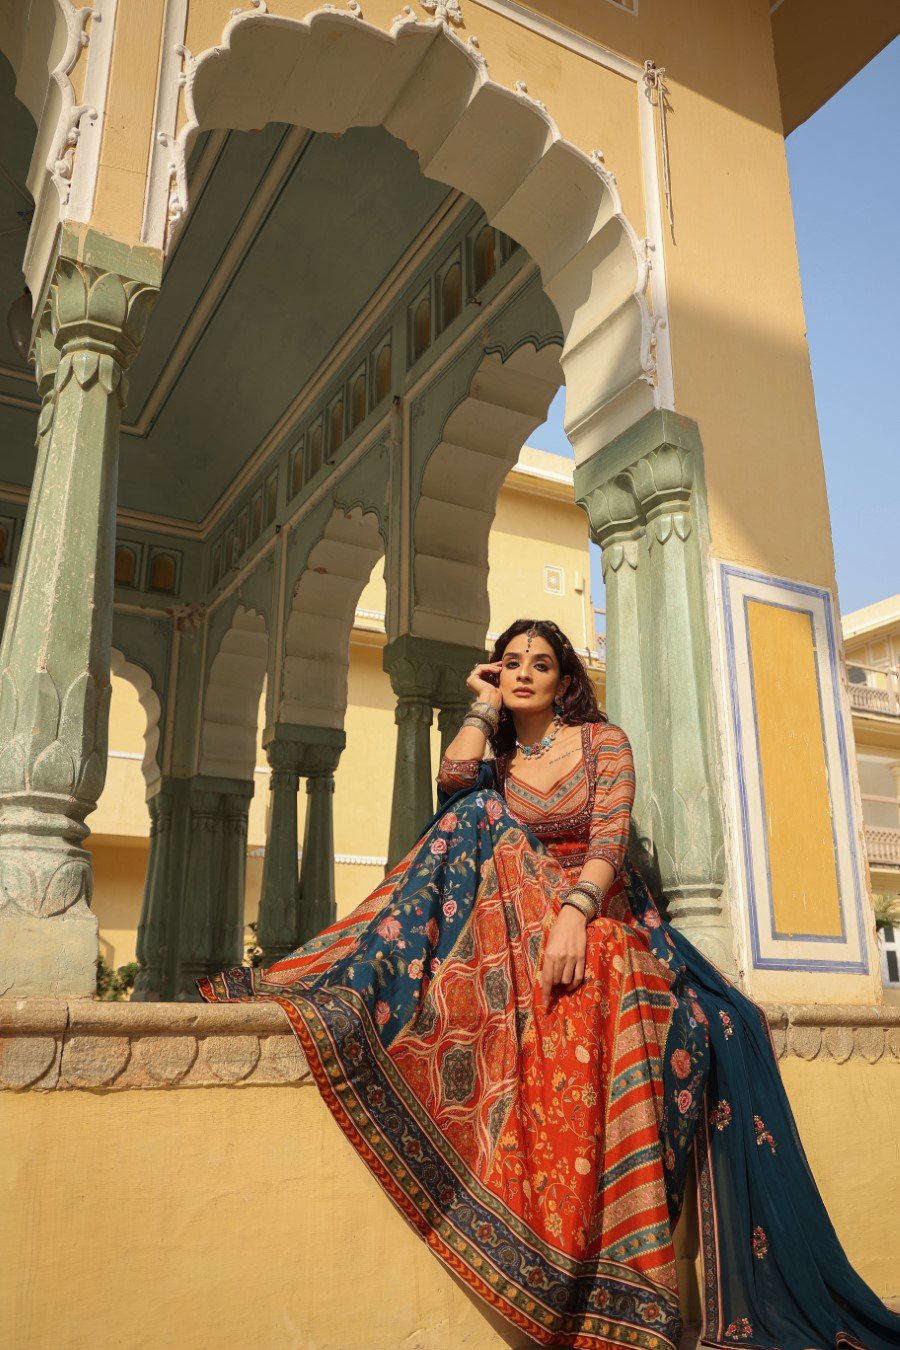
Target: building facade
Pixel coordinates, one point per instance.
(301, 282)
(872, 646)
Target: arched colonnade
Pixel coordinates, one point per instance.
(422, 487)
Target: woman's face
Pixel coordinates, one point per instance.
(529, 678)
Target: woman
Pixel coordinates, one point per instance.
(523, 1053)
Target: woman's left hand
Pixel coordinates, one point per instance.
(564, 953)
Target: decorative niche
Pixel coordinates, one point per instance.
(163, 571)
(7, 540)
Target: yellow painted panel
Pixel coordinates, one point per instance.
(804, 881)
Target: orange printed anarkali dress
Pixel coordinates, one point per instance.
(542, 1154)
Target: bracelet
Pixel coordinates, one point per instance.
(593, 889)
(583, 903)
(481, 708)
(479, 723)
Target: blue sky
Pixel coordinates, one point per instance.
(845, 186)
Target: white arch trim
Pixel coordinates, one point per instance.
(231, 704)
(480, 442)
(138, 678)
(332, 70)
(320, 622)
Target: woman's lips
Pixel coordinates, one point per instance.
(523, 693)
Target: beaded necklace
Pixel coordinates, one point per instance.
(542, 746)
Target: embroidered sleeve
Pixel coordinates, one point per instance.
(613, 797)
(457, 773)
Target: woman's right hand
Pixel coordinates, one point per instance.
(483, 688)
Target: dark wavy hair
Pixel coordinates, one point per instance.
(579, 702)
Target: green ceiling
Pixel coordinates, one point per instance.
(339, 219)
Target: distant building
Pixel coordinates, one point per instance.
(872, 651)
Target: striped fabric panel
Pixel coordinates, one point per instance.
(613, 795)
(632, 1198)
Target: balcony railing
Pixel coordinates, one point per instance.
(599, 633)
(883, 846)
(874, 689)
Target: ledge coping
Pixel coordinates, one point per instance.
(48, 1044)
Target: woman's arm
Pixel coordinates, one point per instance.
(460, 761)
(611, 811)
(564, 954)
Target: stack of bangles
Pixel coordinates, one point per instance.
(484, 716)
(586, 897)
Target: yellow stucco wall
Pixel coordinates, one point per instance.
(217, 1211)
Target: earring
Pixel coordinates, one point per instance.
(557, 707)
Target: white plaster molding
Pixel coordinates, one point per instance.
(479, 444)
(164, 199)
(62, 148)
(351, 859)
(658, 355)
(80, 205)
(564, 37)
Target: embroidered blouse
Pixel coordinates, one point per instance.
(585, 814)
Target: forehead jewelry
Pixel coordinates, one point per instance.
(530, 635)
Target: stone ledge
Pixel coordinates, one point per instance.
(48, 1044)
(838, 1031)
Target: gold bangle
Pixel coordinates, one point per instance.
(582, 903)
(580, 889)
(591, 888)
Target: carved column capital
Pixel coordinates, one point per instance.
(413, 710)
(303, 750)
(613, 511)
(98, 320)
(422, 668)
(663, 480)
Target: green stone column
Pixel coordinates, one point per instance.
(211, 930)
(157, 939)
(320, 750)
(424, 674)
(451, 696)
(150, 947)
(645, 497)
(54, 658)
(618, 529)
(450, 719)
(317, 890)
(279, 902)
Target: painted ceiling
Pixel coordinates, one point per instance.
(288, 238)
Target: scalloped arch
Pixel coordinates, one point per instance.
(319, 623)
(139, 679)
(431, 89)
(480, 442)
(231, 701)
